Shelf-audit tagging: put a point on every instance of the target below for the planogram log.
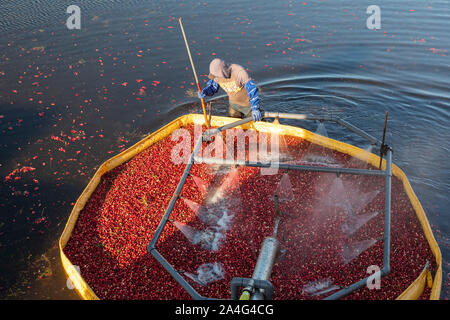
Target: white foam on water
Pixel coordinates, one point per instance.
(216, 242)
(217, 211)
(213, 236)
(224, 222)
(210, 239)
(218, 217)
(208, 216)
(220, 213)
(207, 273)
(352, 251)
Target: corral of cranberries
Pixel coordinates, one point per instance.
(110, 239)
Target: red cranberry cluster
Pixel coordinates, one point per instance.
(109, 242)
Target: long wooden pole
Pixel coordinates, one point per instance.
(382, 143)
(195, 73)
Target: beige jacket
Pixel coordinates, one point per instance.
(234, 86)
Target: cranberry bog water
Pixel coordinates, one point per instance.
(181, 217)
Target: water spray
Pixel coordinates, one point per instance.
(259, 287)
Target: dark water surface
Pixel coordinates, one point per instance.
(70, 99)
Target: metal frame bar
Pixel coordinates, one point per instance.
(194, 159)
(207, 134)
(229, 162)
(152, 246)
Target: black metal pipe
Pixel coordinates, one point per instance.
(359, 132)
(355, 286)
(294, 116)
(387, 212)
(209, 133)
(338, 120)
(186, 286)
(175, 196)
(290, 166)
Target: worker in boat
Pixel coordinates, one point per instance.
(241, 90)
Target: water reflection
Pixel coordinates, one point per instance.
(70, 100)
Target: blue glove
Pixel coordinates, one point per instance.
(253, 95)
(211, 88)
(256, 114)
